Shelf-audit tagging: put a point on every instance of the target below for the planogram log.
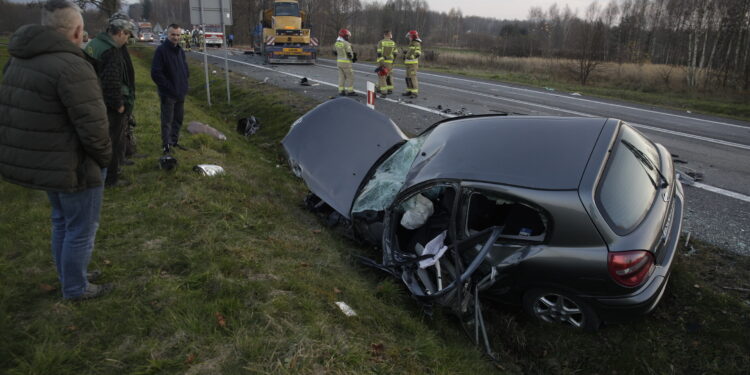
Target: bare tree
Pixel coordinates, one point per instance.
(108, 7)
(590, 43)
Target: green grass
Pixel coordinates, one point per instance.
(231, 275)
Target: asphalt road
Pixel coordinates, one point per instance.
(717, 208)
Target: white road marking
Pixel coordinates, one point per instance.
(577, 113)
(332, 85)
(583, 100)
(710, 188)
(721, 191)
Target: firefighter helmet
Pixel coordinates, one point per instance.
(344, 33)
(412, 35)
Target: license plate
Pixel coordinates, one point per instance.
(293, 50)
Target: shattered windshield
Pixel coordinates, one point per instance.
(387, 181)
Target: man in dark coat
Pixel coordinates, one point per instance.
(112, 62)
(53, 136)
(169, 71)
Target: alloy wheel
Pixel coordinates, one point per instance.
(557, 308)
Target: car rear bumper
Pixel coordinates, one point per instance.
(647, 297)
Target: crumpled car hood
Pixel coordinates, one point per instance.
(334, 146)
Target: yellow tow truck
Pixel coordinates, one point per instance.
(283, 37)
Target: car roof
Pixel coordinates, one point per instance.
(548, 153)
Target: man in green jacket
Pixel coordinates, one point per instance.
(411, 60)
(387, 52)
(53, 136)
(109, 55)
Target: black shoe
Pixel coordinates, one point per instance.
(382, 96)
(181, 147)
(94, 291)
(342, 94)
(351, 93)
(93, 275)
(390, 91)
(406, 94)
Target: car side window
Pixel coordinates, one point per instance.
(519, 220)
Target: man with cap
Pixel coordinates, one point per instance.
(110, 57)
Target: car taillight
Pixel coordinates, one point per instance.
(630, 268)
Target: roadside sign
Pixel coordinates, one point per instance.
(215, 12)
(370, 95)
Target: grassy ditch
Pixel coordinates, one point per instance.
(230, 275)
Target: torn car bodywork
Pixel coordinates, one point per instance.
(513, 208)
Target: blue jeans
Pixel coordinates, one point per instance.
(75, 219)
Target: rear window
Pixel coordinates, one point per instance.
(628, 188)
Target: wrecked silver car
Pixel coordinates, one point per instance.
(576, 219)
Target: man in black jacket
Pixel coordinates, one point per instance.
(169, 71)
(112, 62)
(53, 136)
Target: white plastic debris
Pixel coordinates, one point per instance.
(209, 169)
(418, 210)
(348, 311)
(575, 93)
(214, 72)
(436, 247)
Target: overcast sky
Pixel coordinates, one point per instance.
(506, 9)
(501, 9)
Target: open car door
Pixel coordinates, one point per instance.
(334, 146)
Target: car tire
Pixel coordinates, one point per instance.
(554, 306)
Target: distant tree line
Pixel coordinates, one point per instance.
(709, 39)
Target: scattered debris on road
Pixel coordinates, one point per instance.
(462, 112)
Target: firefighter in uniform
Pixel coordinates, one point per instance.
(411, 60)
(186, 40)
(387, 52)
(345, 57)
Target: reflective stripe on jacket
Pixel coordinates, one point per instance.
(413, 53)
(344, 51)
(386, 51)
